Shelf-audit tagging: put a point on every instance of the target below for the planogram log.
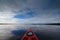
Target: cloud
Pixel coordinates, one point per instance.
(6, 13)
(6, 16)
(50, 16)
(44, 11)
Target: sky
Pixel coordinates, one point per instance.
(29, 11)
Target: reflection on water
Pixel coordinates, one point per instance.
(9, 32)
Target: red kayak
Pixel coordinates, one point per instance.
(29, 35)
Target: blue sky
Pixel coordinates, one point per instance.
(28, 14)
(30, 11)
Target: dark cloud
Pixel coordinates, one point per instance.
(44, 9)
(55, 4)
(45, 4)
(42, 4)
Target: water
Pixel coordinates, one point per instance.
(43, 32)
